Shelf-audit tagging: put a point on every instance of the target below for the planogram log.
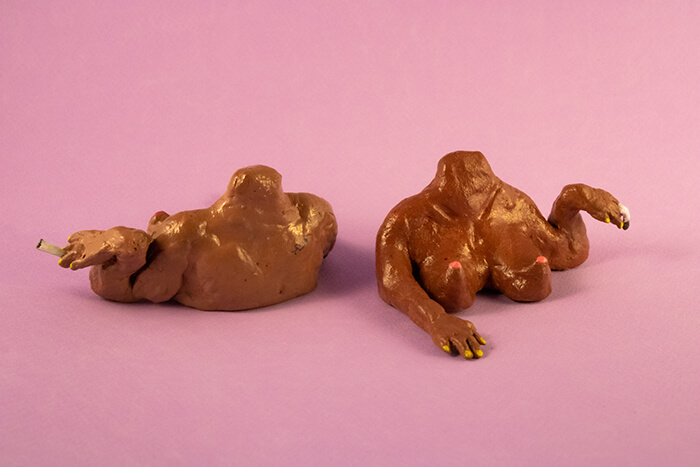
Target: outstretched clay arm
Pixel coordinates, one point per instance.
(399, 288)
(115, 255)
(572, 249)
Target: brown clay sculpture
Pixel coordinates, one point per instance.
(255, 246)
(468, 230)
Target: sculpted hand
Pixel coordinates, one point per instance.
(119, 245)
(606, 208)
(451, 333)
(86, 248)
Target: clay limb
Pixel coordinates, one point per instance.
(114, 255)
(255, 246)
(468, 230)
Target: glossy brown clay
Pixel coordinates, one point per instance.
(255, 246)
(468, 230)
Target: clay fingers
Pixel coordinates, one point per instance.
(73, 251)
(84, 261)
(78, 257)
(467, 344)
(619, 216)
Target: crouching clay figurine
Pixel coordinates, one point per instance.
(255, 246)
(468, 230)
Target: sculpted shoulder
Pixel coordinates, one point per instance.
(405, 214)
(317, 220)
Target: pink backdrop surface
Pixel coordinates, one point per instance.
(111, 112)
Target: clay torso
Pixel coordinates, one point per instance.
(255, 246)
(468, 230)
(242, 258)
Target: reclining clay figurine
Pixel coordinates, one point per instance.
(255, 246)
(468, 230)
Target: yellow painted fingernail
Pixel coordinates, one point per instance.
(468, 354)
(479, 353)
(446, 348)
(622, 224)
(482, 340)
(607, 220)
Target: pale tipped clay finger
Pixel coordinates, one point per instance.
(625, 213)
(625, 217)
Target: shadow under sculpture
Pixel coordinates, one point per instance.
(255, 246)
(468, 230)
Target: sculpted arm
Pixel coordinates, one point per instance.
(397, 285)
(571, 244)
(399, 288)
(114, 255)
(126, 265)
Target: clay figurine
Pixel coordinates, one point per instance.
(255, 246)
(468, 230)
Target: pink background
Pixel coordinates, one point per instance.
(111, 112)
